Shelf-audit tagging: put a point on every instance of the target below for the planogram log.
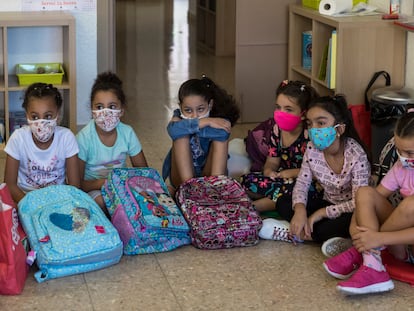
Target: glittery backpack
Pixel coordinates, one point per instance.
(68, 231)
(142, 210)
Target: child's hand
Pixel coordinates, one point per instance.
(366, 239)
(299, 222)
(218, 123)
(315, 217)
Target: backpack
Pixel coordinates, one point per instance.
(386, 160)
(257, 144)
(141, 208)
(219, 212)
(68, 231)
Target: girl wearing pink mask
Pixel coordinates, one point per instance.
(273, 186)
(200, 131)
(105, 142)
(42, 153)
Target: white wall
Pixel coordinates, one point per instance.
(86, 53)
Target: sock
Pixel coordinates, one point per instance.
(373, 259)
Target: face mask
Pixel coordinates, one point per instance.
(206, 115)
(323, 137)
(107, 119)
(286, 121)
(42, 129)
(406, 162)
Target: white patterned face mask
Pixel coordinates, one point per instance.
(42, 129)
(107, 119)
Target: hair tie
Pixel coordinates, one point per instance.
(302, 87)
(207, 80)
(410, 110)
(284, 83)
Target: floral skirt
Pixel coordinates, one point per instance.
(274, 188)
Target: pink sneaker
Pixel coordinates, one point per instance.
(366, 280)
(343, 265)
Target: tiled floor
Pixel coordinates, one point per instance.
(269, 276)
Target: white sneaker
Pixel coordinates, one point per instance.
(274, 229)
(335, 246)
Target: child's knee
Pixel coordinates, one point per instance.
(407, 206)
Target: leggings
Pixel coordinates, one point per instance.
(323, 229)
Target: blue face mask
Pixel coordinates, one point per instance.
(323, 137)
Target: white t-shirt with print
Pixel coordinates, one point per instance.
(40, 168)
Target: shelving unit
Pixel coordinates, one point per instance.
(54, 35)
(216, 26)
(365, 44)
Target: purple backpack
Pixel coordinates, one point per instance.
(257, 144)
(219, 212)
(143, 212)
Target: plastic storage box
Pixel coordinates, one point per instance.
(314, 4)
(41, 72)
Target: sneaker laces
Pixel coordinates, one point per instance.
(283, 234)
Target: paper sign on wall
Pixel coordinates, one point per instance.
(68, 5)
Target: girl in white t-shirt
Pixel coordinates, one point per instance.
(42, 153)
(105, 142)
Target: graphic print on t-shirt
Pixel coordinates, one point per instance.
(40, 175)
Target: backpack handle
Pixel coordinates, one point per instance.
(373, 79)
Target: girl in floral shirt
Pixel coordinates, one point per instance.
(273, 186)
(336, 158)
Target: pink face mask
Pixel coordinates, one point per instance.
(286, 121)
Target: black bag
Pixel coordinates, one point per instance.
(381, 112)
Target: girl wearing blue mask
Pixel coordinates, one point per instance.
(272, 186)
(200, 131)
(377, 224)
(336, 159)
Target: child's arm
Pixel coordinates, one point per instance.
(214, 128)
(217, 123)
(72, 171)
(88, 185)
(139, 160)
(10, 178)
(271, 166)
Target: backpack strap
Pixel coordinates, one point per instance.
(373, 79)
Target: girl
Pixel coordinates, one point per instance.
(42, 153)
(376, 223)
(105, 142)
(336, 159)
(200, 130)
(286, 148)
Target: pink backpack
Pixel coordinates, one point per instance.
(219, 212)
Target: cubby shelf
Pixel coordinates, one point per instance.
(16, 30)
(365, 44)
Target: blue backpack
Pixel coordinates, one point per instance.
(68, 231)
(141, 208)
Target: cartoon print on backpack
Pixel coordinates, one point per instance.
(76, 221)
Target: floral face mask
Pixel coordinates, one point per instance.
(107, 119)
(42, 129)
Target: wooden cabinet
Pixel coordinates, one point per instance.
(365, 44)
(261, 55)
(216, 26)
(36, 37)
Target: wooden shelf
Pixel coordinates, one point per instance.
(365, 45)
(13, 42)
(216, 26)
